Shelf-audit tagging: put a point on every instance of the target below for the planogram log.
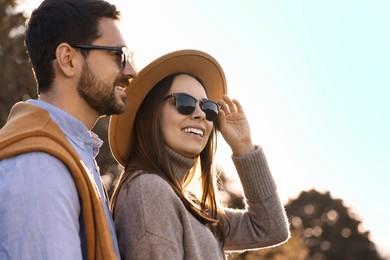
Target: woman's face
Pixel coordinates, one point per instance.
(186, 134)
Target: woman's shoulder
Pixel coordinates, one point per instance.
(150, 186)
(150, 180)
(150, 194)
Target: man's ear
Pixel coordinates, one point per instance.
(68, 59)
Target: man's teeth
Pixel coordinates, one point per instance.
(194, 131)
(120, 88)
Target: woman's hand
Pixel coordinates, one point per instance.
(234, 126)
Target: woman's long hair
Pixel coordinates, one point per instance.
(148, 154)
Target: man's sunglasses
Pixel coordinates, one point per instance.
(186, 104)
(124, 55)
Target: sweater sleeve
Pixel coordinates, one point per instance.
(263, 223)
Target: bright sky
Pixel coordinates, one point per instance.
(313, 77)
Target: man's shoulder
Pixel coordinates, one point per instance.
(36, 164)
(25, 121)
(30, 129)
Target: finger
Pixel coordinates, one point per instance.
(238, 105)
(230, 104)
(221, 119)
(224, 106)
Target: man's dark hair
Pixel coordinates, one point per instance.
(58, 21)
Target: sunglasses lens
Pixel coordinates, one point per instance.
(210, 108)
(185, 104)
(123, 60)
(124, 57)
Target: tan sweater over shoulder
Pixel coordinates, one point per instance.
(30, 128)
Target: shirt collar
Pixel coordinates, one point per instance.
(73, 128)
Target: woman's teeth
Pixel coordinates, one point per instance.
(194, 131)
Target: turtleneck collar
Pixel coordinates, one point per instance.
(180, 164)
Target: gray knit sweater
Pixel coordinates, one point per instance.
(152, 222)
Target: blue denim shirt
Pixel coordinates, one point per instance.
(40, 211)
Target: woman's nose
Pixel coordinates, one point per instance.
(198, 112)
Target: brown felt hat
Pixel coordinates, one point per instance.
(194, 62)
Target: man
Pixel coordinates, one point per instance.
(52, 201)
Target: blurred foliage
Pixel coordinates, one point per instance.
(328, 228)
(321, 227)
(16, 78)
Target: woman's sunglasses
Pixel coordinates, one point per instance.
(186, 104)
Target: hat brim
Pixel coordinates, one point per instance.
(194, 62)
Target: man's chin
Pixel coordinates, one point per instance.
(119, 108)
(120, 111)
(121, 103)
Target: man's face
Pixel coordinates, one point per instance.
(104, 96)
(102, 80)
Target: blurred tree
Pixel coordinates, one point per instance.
(17, 81)
(16, 78)
(328, 228)
(322, 228)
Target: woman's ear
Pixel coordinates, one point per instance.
(68, 59)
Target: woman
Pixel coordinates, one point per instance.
(164, 139)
